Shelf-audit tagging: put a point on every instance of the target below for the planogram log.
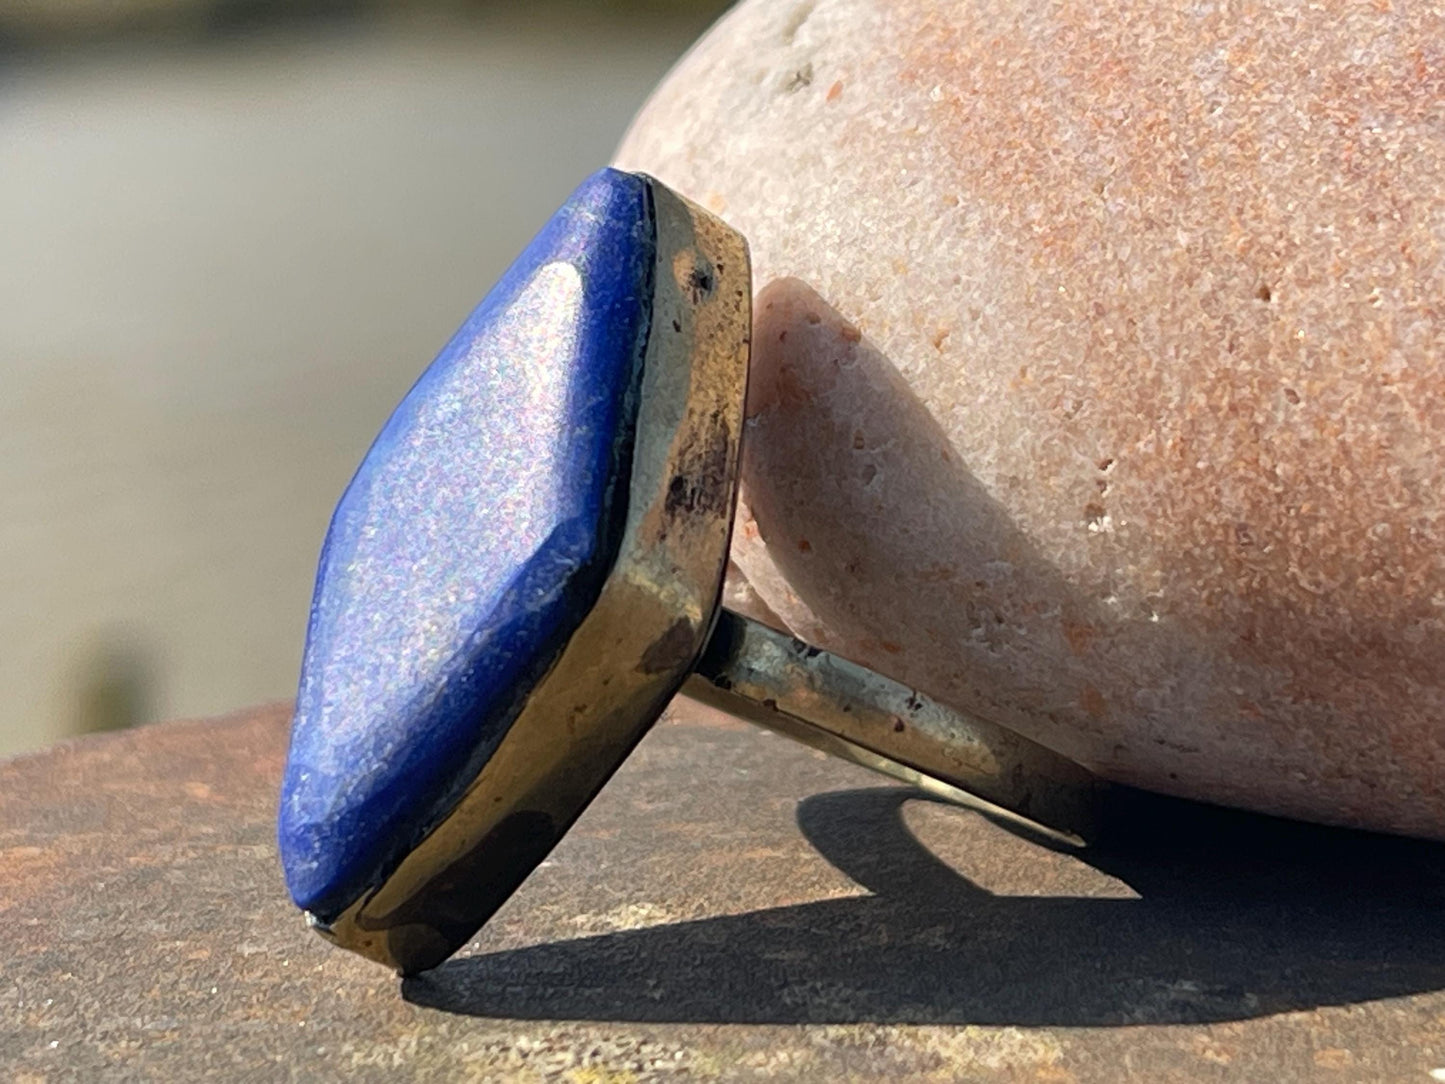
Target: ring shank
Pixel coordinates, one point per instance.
(829, 703)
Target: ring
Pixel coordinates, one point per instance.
(528, 566)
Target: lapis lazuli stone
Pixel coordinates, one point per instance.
(473, 539)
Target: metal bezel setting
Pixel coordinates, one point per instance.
(636, 646)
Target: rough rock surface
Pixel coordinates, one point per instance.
(732, 908)
(1098, 370)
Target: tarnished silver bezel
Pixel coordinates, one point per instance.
(633, 649)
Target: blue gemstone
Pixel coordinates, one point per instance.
(472, 541)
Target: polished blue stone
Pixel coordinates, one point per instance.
(473, 539)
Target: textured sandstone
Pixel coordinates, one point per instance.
(1098, 370)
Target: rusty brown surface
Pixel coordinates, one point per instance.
(732, 907)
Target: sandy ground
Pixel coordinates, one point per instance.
(220, 267)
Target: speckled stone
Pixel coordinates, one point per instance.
(1098, 371)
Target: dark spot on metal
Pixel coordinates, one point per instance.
(678, 494)
(672, 650)
(701, 282)
(701, 485)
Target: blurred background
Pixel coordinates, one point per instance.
(232, 232)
